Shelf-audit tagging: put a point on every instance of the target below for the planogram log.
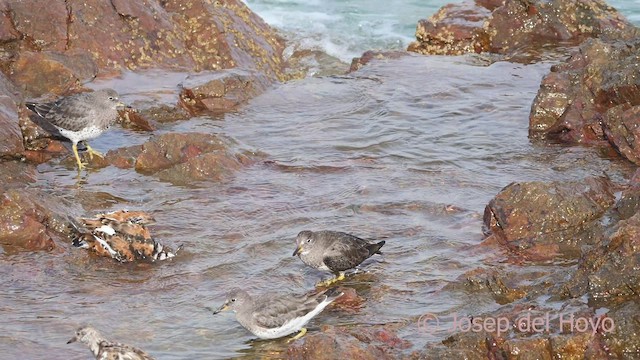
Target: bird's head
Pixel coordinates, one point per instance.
(305, 241)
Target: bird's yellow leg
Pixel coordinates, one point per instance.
(299, 335)
(92, 152)
(328, 282)
(81, 165)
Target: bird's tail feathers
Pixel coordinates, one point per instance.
(375, 248)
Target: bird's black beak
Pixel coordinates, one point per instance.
(297, 251)
(72, 340)
(222, 308)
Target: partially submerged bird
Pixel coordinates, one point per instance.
(81, 117)
(271, 316)
(334, 251)
(121, 235)
(104, 349)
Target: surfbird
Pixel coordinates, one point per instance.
(333, 251)
(271, 316)
(104, 349)
(121, 235)
(81, 117)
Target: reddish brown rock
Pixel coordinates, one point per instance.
(30, 220)
(514, 26)
(543, 220)
(370, 55)
(11, 145)
(591, 95)
(132, 119)
(608, 272)
(220, 91)
(488, 280)
(45, 73)
(338, 343)
(180, 158)
(455, 29)
(170, 149)
(66, 43)
(622, 128)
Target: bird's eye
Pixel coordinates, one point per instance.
(308, 240)
(233, 300)
(110, 97)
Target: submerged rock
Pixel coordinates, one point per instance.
(220, 91)
(544, 220)
(30, 219)
(11, 145)
(180, 158)
(338, 343)
(514, 26)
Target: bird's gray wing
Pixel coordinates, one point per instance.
(116, 351)
(275, 312)
(65, 112)
(345, 253)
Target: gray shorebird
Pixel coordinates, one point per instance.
(272, 316)
(81, 117)
(104, 349)
(333, 251)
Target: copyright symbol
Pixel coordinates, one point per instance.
(428, 323)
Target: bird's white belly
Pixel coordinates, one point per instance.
(88, 133)
(292, 326)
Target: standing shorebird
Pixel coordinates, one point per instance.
(81, 117)
(104, 349)
(333, 251)
(271, 316)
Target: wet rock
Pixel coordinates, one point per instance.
(164, 114)
(170, 149)
(621, 127)
(15, 174)
(455, 29)
(11, 145)
(220, 91)
(512, 26)
(629, 202)
(195, 34)
(543, 220)
(133, 119)
(527, 332)
(42, 73)
(30, 220)
(488, 280)
(624, 342)
(213, 166)
(338, 343)
(181, 158)
(305, 62)
(370, 55)
(591, 95)
(609, 272)
(350, 301)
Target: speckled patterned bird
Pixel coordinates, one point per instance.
(81, 117)
(121, 235)
(104, 349)
(334, 251)
(271, 316)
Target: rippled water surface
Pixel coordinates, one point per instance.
(409, 150)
